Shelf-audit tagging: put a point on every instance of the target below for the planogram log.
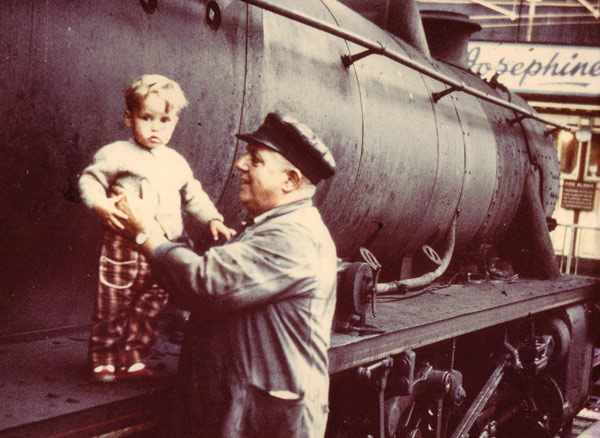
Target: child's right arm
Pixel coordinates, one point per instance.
(94, 184)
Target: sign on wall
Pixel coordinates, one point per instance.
(578, 195)
(534, 68)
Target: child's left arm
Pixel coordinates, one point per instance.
(217, 227)
(197, 203)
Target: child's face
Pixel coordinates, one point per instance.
(151, 125)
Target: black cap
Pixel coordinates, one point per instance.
(296, 142)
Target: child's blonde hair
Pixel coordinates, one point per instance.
(166, 88)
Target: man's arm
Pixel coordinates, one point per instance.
(270, 265)
(274, 265)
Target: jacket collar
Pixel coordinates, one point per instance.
(285, 209)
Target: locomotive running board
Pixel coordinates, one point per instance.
(447, 313)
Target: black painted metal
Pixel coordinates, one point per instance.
(406, 165)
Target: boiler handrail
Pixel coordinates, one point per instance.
(378, 48)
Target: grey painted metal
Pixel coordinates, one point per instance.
(511, 161)
(404, 20)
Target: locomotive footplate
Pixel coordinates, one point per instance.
(413, 322)
(45, 391)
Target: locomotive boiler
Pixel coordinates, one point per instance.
(444, 180)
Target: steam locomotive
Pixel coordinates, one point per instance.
(452, 318)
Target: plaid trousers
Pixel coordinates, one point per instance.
(127, 304)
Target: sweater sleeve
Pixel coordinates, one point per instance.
(196, 201)
(95, 179)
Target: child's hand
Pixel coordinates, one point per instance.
(109, 213)
(217, 227)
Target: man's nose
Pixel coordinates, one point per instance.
(242, 163)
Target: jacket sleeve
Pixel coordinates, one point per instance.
(271, 266)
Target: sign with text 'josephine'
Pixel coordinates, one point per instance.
(534, 68)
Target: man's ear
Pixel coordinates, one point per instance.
(293, 180)
(128, 117)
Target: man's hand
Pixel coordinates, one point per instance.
(217, 227)
(138, 213)
(110, 215)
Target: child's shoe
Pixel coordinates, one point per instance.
(136, 371)
(104, 374)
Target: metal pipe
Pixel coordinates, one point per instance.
(510, 14)
(398, 57)
(396, 286)
(570, 255)
(534, 220)
(590, 8)
(577, 248)
(562, 251)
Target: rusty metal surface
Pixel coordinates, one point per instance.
(446, 313)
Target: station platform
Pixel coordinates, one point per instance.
(587, 422)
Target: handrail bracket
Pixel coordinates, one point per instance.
(348, 60)
(439, 94)
(517, 119)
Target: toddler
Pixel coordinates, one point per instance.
(128, 299)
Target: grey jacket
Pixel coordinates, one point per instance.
(255, 358)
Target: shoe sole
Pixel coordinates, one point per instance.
(104, 378)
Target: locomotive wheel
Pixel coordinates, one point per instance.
(542, 415)
(418, 421)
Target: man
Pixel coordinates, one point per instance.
(254, 358)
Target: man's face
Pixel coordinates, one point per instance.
(263, 175)
(151, 125)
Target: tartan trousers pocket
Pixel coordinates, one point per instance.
(118, 274)
(267, 415)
